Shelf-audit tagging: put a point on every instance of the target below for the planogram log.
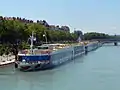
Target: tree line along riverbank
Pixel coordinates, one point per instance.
(15, 33)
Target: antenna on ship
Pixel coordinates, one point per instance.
(31, 45)
(32, 38)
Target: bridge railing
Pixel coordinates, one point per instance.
(102, 40)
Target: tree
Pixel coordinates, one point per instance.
(20, 29)
(95, 35)
(1, 52)
(7, 51)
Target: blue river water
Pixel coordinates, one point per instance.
(98, 70)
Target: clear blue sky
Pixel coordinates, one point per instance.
(88, 15)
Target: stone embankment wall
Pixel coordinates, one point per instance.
(7, 59)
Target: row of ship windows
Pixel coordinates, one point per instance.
(64, 54)
(58, 61)
(36, 62)
(79, 48)
(79, 51)
(61, 55)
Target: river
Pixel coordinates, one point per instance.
(98, 70)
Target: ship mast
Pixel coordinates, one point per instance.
(31, 46)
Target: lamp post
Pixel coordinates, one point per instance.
(44, 35)
(45, 38)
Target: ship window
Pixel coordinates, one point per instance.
(42, 47)
(19, 58)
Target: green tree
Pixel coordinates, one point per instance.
(95, 35)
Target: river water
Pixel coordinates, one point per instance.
(98, 70)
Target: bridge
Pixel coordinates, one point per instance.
(104, 41)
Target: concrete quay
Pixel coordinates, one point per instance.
(5, 60)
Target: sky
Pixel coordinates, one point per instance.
(86, 15)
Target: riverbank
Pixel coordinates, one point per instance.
(5, 60)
